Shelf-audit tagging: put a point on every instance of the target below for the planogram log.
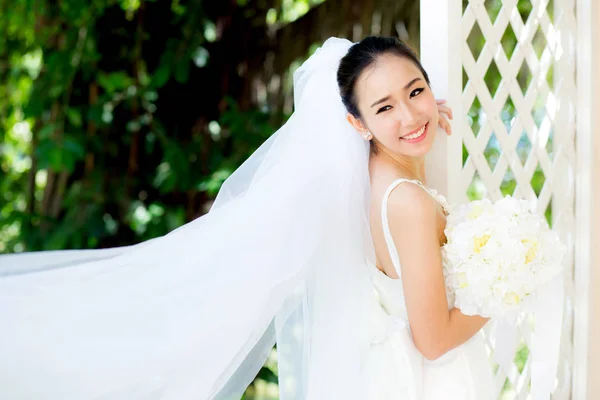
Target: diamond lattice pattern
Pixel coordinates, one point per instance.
(519, 64)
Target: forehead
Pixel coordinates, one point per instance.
(386, 76)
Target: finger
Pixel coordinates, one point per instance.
(440, 101)
(443, 117)
(442, 123)
(446, 110)
(445, 125)
(449, 129)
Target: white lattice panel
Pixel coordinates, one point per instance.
(519, 101)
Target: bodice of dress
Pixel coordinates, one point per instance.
(394, 368)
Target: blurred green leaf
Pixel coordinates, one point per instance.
(115, 81)
(74, 117)
(47, 131)
(161, 76)
(182, 71)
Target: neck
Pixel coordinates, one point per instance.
(412, 167)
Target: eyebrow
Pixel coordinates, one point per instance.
(386, 98)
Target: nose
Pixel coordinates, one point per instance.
(408, 115)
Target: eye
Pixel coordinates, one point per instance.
(416, 92)
(383, 109)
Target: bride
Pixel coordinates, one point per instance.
(325, 241)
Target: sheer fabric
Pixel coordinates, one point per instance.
(282, 256)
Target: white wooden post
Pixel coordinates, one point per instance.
(586, 374)
(440, 55)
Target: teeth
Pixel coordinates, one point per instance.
(415, 135)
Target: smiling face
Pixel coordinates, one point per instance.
(397, 106)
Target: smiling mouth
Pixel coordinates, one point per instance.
(417, 134)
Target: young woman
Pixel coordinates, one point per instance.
(429, 352)
(325, 241)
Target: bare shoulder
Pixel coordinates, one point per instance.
(409, 202)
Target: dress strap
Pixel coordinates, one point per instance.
(385, 223)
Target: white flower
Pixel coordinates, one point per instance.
(497, 255)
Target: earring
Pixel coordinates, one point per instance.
(368, 135)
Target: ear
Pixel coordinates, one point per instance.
(358, 125)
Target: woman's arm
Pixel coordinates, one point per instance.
(435, 330)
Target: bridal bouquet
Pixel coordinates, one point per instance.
(497, 255)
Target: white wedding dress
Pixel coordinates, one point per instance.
(395, 369)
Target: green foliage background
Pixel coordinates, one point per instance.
(119, 120)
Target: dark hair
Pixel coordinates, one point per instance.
(362, 55)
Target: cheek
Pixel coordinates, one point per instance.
(386, 127)
(429, 107)
(429, 103)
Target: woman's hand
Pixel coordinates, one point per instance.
(445, 113)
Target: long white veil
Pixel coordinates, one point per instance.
(282, 256)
